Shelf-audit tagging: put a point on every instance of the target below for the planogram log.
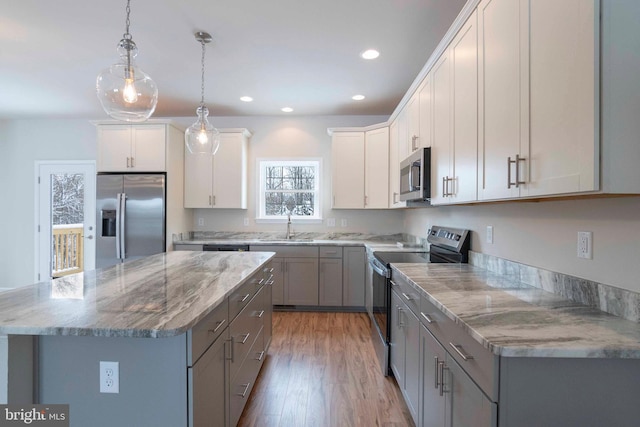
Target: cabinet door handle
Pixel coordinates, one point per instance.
(442, 368)
(458, 348)
(214, 200)
(133, 162)
(444, 191)
(407, 297)
(517, 161)
(400, 324)
(437, 372)
(218, 326)
(261, 355)
(395, 197)
(414, 146)
(245, 298)
(231, 351)
(210, 201)
(246, 388)
(365, 200)
(426, 317)
(128, 162)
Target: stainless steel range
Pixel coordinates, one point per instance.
(447, 245)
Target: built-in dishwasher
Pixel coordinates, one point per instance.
(225, 248)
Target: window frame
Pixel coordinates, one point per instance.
(262, 164)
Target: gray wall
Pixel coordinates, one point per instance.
(545, 234)
(22, 143)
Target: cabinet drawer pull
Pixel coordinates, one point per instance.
(458, 348)
(407, 297)
(260, 281)
(246, 337)
(426, 317)
(259, 316)
(245, 298)
(218, 326)
(261, 355)
(246, 388)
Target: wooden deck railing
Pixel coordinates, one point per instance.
(67, 250)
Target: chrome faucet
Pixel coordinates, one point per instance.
(289, 235)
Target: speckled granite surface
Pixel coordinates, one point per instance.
(158, 296)
(514, 319)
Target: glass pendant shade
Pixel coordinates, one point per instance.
(201, 137)
(125, 91)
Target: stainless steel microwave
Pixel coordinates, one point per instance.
(415, 176)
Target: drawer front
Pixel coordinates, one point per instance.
(186, 247)
(330, 251)
(287, 251)
(201, 336)
(244, 330)
(481, 364)
(242, 296)
(407, 294)
(242, 385)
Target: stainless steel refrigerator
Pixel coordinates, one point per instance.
(130, 217)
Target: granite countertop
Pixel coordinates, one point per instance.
(158, 296)
(513, 319)
(372, 242)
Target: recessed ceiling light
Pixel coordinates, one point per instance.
(370, 54)
(287, 109)
(357, 97)
(246, 99)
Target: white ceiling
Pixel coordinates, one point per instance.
(298, 53)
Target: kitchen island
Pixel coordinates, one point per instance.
(158, 317)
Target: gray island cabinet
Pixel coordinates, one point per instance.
(189, 330)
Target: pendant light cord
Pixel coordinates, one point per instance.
(202, 82)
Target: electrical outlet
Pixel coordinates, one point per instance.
(585, 244)
(246, 222)
(109, 377)
(343, 222)
(490, 234)
(331, 222)
(200, 221)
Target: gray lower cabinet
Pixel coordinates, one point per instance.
(301, 281)
(354, 261)
(466, 405)
(295, 273)
(208, 397)
(330, 276)
(225, 352)
(405, 352)
(433, 357)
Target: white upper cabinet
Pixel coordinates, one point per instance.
(425, 94)
(539, 102)
(441, 144)
(564, 102)
(347, 167)
(413, 123)
(360, 169)
(377, 168)
(219, 181)
(132, 148)
(455, 124)
(394, 167)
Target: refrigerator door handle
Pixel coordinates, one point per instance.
(123, 217)
(118, 198)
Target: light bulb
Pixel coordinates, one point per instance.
(202, 137)
(129, 93)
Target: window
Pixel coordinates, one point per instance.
(290, 186)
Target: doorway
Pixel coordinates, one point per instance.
(65, 218)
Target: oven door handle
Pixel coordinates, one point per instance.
(378, 268)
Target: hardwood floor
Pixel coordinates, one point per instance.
(321, 371)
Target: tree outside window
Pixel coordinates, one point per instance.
(290, 188)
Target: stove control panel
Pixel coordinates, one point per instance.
(452, 238)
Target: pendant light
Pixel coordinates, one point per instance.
(201, 137)
(124, 90)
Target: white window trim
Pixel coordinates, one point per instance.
(261, 219)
